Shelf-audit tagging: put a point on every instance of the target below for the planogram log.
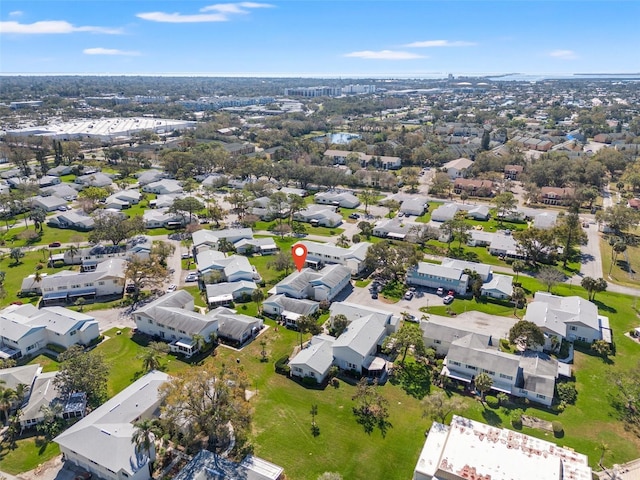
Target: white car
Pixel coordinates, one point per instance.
(192, 277)
(448, 299)
(172, 288)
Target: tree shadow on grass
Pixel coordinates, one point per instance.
(491, 417)
(605, 307)
(413, 378)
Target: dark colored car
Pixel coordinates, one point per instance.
(374, 295)
(55, 244)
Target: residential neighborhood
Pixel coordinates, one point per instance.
(465, 306)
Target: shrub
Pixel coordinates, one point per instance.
(309, 381)
(567, 392)
(492, 401)
(558, 429)
(96, 341)
(281, 365)
(56, 348)
(516, 418)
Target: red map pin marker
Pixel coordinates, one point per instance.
(299, 254)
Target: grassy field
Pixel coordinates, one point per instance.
(322, 231)
(49, 235)
(426, 218)
(28, 454)
(620, 271)
(461, 305)
(16, 273)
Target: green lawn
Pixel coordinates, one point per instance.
(269, 275)
(461, 305)
(28, 454)
(16, 273)
(620, 271)
(49, 235)
(323, 231)
(426, 218)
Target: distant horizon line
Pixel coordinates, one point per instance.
(337, 76)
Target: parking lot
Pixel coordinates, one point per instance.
(422, 298)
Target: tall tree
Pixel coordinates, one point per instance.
(505, 203)
(391, 261)
(145, 272)
(296, 203)
(483, 384)
(186, 205)
(278, 205)
(208, 402)
(82, 371)
(527, 333)
(371, 408)
(408, 335)
(616, 249)
(518, 266)
(569, 233)
(366, 229)
(368, 197)
(550, 276)
(535, 244)
(307, 324)
(282, 261)
(144, 437)
(114, 229)
(438, 405)
(7, 397)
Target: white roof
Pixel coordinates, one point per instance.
(104, 436)
(361, 335)
(458, 163)
(500, 283)
(318, 355)
(496, 453)
(442, 271)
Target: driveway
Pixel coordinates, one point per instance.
(112, 318)
(591, 258)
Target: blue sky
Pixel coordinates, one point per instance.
(318, 38)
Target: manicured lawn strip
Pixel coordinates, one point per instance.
(47, 363)
(28, 454)
(199, 298)
(619, 272)
(426, 218)
(49, 235)
(461, 305)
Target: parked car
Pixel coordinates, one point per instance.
(451, 293)
(172, 288)
(354, 216)
(131, 288)
(374, 295)
(54, 244)
(408, 295)
(410, 318)
(448, 299)
(440, 291)
(186, 255)
(83, 476)
(62, 208)
(192, 277)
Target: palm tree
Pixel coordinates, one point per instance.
(342, 241)
(144, 438)
(7, 397)
(73, 251)
(199, 340)
(604, 448)
(150, 359)
(518, 266)
(483, 384)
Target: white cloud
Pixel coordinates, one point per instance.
(563, 54)
(52, 27)
(440, 43)
(384, 55)
(222, 12)
(16, 13)
(109, 51)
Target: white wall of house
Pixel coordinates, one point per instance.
(348, 359)
(576, 331)
(302, 370)
(168, 332)
(100, 471)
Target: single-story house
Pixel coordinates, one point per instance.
(60, 170)
(62, 190)
(545, 220)
(73, 220)
(163, 218)
(48, 180)
(48, 204)
(150, 176)
(316, 285)
(319, 215)
(101, 443)
(315, 359)
(234, 327)
(163, 187)
(262, 246)
(222, 294)
(340, 199)
(288, 309)
(97, 179)
(210, 239)
(414, 206)
(499, 286)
